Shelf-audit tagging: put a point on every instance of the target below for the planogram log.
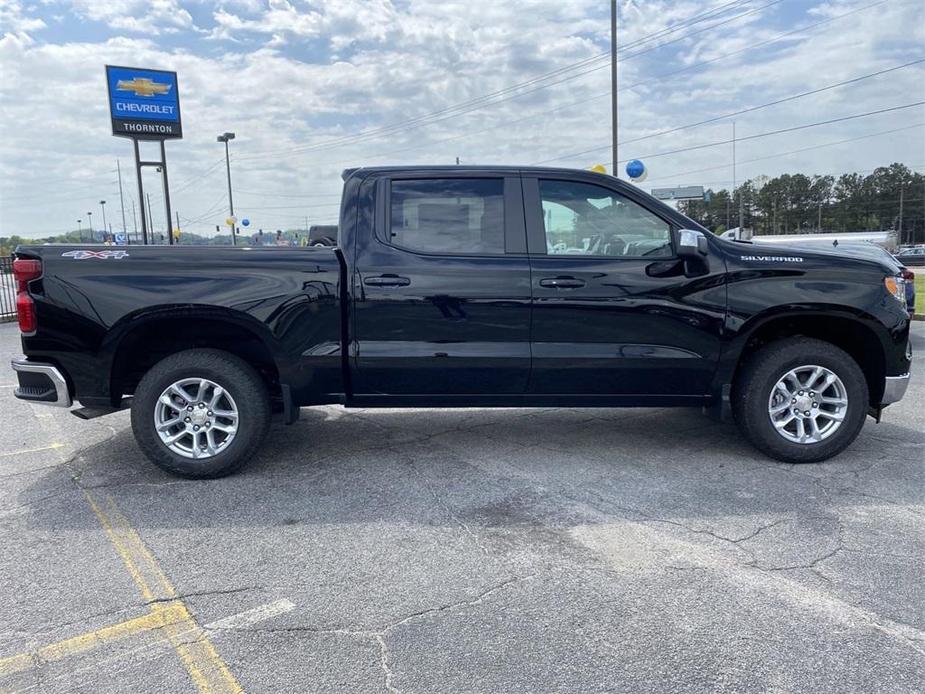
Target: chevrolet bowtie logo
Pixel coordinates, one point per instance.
(142, 86)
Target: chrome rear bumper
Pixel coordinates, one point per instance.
(40, 382)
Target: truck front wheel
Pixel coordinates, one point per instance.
(200, 413)
(800, 400)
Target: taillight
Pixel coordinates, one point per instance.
(24, 271)
(907, 274)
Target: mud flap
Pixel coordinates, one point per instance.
(721, 408)
(876, 411)
(290, 411)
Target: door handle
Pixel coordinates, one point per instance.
(562, 282)
(387, 281)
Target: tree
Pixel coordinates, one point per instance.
(890, 197)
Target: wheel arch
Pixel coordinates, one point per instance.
(854, 333)
(139, 341)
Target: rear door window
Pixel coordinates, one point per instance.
(457, 216)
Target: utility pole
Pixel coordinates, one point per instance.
(176, 212)
(134, 221)
(121, 199)
(741, 197)
(899, 230)
(90, 224)
(613, 84)
(226, 138)
(457, 161)
(80, 230)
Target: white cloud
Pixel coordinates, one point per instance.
(150, 17)
(325, 71)
(14, 21)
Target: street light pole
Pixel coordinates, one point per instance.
(121, 199)
(103, 208)
(226, 137)
(613, 82)
(80, 230)
(90, 224)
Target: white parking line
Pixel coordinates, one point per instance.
(258, 614)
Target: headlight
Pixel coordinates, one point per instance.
(897, 287)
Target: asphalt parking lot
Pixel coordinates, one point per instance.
(463, 551)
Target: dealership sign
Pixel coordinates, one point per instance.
(143, 104)
(679, 193)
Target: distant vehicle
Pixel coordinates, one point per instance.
(866, 250)
(912, 256)
(443, 291)
(322, 235)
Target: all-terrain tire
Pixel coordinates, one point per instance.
(758, 378)
(238, 379)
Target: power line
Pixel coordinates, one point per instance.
(671, 73)
(675, 176)
(484, 100)
(212, 209)
(273, 194)
(778, 132)
(742, 111)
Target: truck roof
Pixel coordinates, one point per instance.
(469, 168)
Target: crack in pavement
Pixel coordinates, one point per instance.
(379, 635)
(216, 591)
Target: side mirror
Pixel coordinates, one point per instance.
(691, 244)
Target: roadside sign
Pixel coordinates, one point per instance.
(679, 193)
(143, 103)
(121, 240)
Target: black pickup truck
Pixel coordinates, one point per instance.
(465, 287)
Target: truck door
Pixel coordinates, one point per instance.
(442, 288)
(613, 312)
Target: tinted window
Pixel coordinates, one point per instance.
(585, 219)
(450, 215)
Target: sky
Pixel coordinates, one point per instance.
(313, 87)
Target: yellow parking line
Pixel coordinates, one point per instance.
(167, 613)
(202, 661)
(85, 642)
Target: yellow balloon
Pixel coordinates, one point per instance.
(229, 222)
(599, 168)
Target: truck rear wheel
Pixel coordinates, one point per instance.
(201, 413)
(801, 400)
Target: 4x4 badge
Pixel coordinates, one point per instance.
(83, 255)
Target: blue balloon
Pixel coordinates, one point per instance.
(246, 222)
(635, 168)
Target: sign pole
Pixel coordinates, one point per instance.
(141, 194)
(144, 104)
(166, 191)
